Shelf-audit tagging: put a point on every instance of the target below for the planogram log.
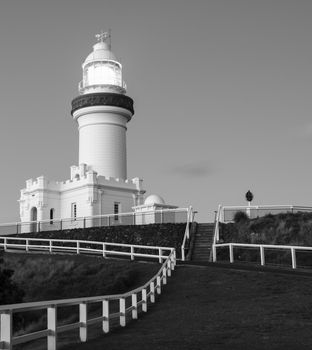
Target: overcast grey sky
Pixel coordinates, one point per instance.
(222, 92)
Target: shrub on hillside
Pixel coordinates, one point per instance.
(163, 235)
(240, 216)
(10, 292)
(285, 228)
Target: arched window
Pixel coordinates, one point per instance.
(51, 216)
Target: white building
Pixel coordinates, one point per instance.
(99, 184)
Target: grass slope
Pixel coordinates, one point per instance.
(163, 235)
(46, 277)
(50, 277)
(208, 308)
(286, 228)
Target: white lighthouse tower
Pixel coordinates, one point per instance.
(102, 112)
(98, 184)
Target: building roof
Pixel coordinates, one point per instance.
(101, 52)
(154, 199)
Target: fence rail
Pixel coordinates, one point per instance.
(261, 249)
(179, 215)
(227, 213)
(138, 298)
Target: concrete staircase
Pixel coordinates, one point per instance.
(203, 242)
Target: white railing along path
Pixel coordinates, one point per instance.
(137, 298)
(261, 248)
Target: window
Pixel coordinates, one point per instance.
(116, 210)
(51, 216)
(73, 211)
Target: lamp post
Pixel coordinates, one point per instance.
(249, 197)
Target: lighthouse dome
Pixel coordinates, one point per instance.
(101, 51)
(154, 199)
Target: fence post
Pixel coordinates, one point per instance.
(6, 329)
(122, 311)
(61, 225)
(50, 246)
(105, 313)
(83, 321)
(5, 244)
(214, 253)
(52, 324)
(158, 288)
(152, 290)
(169, 267)
(172, 262)
(160, 255)
(38, 226)
(132, 252)
(164, 272)
(134, 298)
(231, 253)
(84, 222)
(293, 258)
(217, 222)
(262, 257)
(27, 245)
(144, 299)
(182, 254)
(78, 247)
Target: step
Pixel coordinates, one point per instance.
(204, 243)
(207, 239)
(203, 236)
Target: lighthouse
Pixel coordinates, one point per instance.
(99, 184)
(102, 112)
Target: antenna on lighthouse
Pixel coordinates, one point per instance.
(104, 37)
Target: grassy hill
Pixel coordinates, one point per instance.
(50, 277)
(163, 235)
(286, 228)
(220, 309)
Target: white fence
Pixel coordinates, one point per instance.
(227, 213)
(261, 248)
(130, 303)
(180, 215)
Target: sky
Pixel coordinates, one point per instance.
(221, 89)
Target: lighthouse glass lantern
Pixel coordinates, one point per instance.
(101, 70)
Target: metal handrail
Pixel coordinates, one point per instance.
(186, 237)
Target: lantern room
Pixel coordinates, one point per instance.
(101, 70)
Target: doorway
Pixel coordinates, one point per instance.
(33, 218)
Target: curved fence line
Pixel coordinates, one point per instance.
(129, 303)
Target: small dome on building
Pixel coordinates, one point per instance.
(101, 51)
(154, 199)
